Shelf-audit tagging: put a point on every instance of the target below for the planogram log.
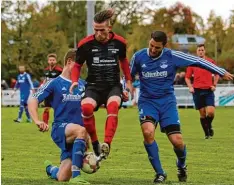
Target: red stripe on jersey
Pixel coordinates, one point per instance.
(85, 40)
(121, 39)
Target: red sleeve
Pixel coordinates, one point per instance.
(189, 72)
(75, 73)
(58, 68)
(125, 67)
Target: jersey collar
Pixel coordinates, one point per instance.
(22, 74)
(65, 78)
(154, 58)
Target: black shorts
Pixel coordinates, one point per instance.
(48, 100)
(101, 95)
(203, 98)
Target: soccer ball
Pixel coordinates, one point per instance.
(90, 163)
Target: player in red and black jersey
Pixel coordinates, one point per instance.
(51, 72)
(102, 52)
(203, 92)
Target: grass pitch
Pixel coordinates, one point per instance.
(24, 149)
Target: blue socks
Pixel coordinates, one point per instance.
(181, 155)
(152, 150)
(21, 110)
(52, 171)
(77, 156)
(27, 113)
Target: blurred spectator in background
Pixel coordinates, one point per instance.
(13, 82)
(4, 85)
(182, 78)
(176, 80)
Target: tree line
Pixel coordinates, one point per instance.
(30, 32)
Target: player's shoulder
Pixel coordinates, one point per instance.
(142, 52)
(47, 68)
(210, 60)
(58, 68)
(119, 38)
(86, 40)
(168, 51)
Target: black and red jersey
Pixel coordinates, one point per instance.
(102, 59)
(51, 73)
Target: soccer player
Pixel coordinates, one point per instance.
(51, 72)
(157, 67)
(203, 92)
(67, 130)
(24, 84)
(102, 53)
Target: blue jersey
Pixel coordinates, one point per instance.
(157, 74)
(67, 107)
(24, 83)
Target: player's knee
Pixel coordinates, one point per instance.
(177, 140)
(80, 132)
(210, 113)
(113, 107)
(87, 110)
(63, 177)
(148, 135)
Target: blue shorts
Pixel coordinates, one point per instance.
(24, 99)
(163, 110)
(203, 98)
(59, 138)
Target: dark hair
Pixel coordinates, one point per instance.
(70, 54)
(200, 45)
(159, 36)
(52, 55)
(104, 15)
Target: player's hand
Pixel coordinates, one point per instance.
(191, 89)
(213, 88)
(13, 94)
(43, 127)
(129, 87)
(33, 91)
(228, 76)
(74, 84)
(125, 96)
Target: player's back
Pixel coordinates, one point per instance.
(67, 107)
(156, 74)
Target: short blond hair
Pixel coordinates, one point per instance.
(52, 55)
(70, 54)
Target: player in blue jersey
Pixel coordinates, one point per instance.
(24, 84)
(68, 131)
(157, 67)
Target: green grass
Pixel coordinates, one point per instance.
(24, 149)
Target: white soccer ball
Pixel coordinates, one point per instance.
(90, 163)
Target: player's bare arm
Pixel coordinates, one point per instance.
(33, 110)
